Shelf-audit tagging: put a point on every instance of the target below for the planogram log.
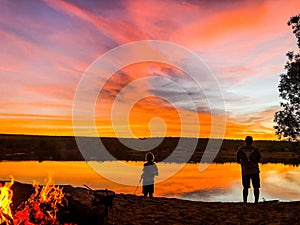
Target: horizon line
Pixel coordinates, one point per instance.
(141, 138)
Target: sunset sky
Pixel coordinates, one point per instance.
(46, 46)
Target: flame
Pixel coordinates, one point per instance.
(5, 200)
(41, 207)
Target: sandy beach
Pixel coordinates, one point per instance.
(138, 210)
(131, 209)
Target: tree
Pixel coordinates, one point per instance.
(287, 120)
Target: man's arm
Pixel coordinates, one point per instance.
(238, 159)
(258, 155)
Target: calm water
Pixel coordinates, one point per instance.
(219, 182)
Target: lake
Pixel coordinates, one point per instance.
(217, 183)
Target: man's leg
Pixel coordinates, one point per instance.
(246, 185)
(256, 186)
(256, 194)
(245, 194)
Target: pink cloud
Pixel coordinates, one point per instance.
(116, 29)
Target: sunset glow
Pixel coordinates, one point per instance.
(46, 47)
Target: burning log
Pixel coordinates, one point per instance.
(85, 206)
(41, 207)
(55, 205)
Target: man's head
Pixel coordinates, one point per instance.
(249, 140)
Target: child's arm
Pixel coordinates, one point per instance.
(142, 176)
(156, 171)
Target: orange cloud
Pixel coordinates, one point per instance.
(36, 125)
(259, 126)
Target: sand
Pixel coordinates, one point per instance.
(131, 209)
(134, 210)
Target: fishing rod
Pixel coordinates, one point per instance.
(88, 187)
(138, 185)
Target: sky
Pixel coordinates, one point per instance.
(47, 47)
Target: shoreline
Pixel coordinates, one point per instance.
(129, 209)
(135, 210)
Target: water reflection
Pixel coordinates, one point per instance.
(219, 182)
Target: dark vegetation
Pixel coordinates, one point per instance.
(41, 148)
(287, 120)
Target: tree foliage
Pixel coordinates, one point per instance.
(288, 119)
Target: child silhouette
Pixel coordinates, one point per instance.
(149, 171)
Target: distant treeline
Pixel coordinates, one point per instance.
(41, 148)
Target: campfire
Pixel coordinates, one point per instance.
(41, 207)
(5, 201)
(53, 205)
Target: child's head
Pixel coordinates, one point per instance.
(149, 157)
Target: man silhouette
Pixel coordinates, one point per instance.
(249, 157)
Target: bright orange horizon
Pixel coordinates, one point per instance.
(49, 45)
